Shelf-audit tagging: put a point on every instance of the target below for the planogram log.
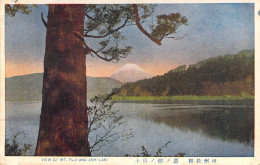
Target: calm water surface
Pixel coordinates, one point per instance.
(196, 130)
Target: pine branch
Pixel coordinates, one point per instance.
(158, 42)
(111, 32)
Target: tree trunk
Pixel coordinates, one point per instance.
(63, 121)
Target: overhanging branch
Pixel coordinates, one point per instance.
(158, 42)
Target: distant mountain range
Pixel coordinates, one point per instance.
(130, 73)
(223, 75)
(29, 87)
(231, 74)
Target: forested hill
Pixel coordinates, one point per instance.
(219, 76)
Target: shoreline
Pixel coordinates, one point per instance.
(204, 100)
(197, 102)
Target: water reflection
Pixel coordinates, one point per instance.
(225, 122)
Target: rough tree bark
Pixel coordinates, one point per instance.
(63, 121)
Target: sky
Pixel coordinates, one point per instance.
(212, 30)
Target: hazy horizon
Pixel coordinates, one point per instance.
(109, 76)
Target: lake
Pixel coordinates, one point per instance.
(194, 129)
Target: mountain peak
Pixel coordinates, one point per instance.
(130, 73)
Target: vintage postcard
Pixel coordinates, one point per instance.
(129, 82)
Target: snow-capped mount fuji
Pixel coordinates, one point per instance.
(130, 73)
